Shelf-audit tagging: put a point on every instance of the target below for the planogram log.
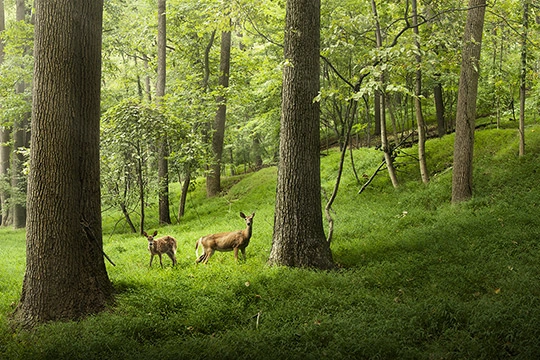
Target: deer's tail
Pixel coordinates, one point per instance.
(197, 247)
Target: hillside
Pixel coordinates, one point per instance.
(418, 277)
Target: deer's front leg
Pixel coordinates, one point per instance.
(243, 253)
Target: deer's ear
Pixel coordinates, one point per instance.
(242, 215)
(252, 215)
(144, 233)
(155, 233)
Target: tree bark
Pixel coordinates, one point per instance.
(439, 108)
(462, 176)
(213, 179)
(65, 276)
(298, 238)
(5, 151)
(424, 174)
(382, 110)
(183, 195)
(523, 78)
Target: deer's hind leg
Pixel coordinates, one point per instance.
(173, 257)
(207, 255)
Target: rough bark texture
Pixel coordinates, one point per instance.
(213, 180)
(65, 274)
(298, 238)
(462, 177)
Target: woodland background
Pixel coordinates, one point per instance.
(352, 63)
(415, 277)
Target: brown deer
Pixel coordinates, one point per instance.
(164, 245)
(227, 241)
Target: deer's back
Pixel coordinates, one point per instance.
(226, 240)
(164, 244)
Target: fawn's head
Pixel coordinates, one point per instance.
(150, 238)
(249, 219)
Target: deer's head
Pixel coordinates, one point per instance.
(248, 219)
(150, 238)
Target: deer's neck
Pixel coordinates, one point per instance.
(247, 232)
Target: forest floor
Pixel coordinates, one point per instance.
(417, 277)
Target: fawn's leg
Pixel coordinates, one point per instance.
(173, 257)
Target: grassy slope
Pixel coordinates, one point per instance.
(419, 278)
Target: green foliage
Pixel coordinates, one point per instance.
(130, 131)
(16, 68)
(419, 278)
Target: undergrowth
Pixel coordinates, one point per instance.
(418, 278)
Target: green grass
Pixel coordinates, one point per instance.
(418, 278)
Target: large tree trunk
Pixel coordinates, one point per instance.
(424, 174)
(213, 179)
(163, 162)
(298, 238)
(462, 177)
(65, 274)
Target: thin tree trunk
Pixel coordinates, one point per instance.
(125, 210)
(18, 179)
(439, 107)
(5, 151)
(128, 218)
(140, 182)
(349, 121)
(523, 78)
(213, 179)
(147, 82)
(382, 108)
(163, 162)
(5, 148)
(424, 174)
(462, 175)
(183, 195)
(377, 113)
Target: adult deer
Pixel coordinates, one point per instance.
(226, 241)
(164, 245)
